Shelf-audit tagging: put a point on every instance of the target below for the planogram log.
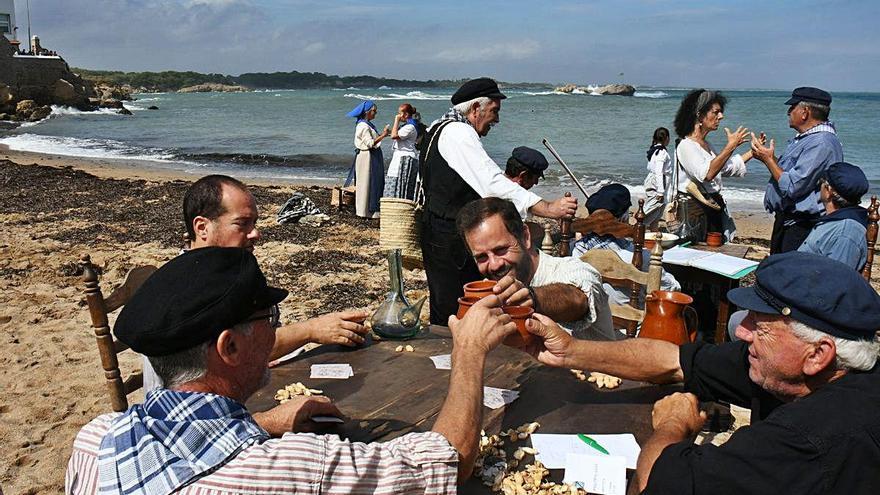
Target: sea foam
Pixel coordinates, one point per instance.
(87, 148)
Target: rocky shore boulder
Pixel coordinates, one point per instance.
(30, 111)
(209, 87)
(66, 93)
(104, 91)
(608, 89)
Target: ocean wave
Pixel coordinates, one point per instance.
(86, 148)
(650, 94)
(412, 95)
(150, 99)
(542, 93)
(384, 87)
(58, 111)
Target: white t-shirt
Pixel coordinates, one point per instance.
(596, 323)
(694, 162)
(460, 145)
(406, 142)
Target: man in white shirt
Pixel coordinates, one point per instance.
(455, 170)
(565, 289)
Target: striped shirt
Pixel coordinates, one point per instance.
(300, 463)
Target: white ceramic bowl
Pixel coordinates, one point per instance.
(667, 241)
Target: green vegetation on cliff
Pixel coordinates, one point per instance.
(172, 80)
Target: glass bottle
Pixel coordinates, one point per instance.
(396, 318)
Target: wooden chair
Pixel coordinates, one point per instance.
(617, 272)
(108, 347)
(871, 234)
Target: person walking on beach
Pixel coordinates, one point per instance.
(455, 170)
(400, 182)
(659, 175)
(793, 194)
(368, 167)
(700, 167)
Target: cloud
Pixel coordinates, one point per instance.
(313, 48)
(493, 53)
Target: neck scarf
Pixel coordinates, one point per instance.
(823, 127)
(171, 440)
(654, 149)
(451, 115)
(415, 124)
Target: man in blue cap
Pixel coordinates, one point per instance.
(793, 190)
(526, 167)
(455, 170)
(840, 234)
(806, 365)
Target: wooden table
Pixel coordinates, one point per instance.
(392, 393)
(687, 276)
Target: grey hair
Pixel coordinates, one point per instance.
(703, 101)
(818, 111)
(857, 355)
(189, 364)
(465, 107)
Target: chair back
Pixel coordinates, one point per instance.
(871, 234)
(108, 347)
(616, 271)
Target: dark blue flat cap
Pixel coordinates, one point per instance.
(531, 159)
(613, 197)
(475, 88)
(193, 298)
(813, 95)
(817, 291)
(848, 180)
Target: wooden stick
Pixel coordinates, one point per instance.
(570, 174)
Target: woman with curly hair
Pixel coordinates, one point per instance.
(700, 167)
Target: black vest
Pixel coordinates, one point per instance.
(445, 191)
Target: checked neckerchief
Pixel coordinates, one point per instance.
(171, 440)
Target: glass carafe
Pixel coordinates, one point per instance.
(396, 318)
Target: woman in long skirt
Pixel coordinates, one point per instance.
(368, 167)
(400, 182)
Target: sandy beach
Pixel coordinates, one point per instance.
(54, 209)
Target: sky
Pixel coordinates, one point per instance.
(777, 44)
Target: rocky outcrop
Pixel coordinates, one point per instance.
(30, 111)
(209, 87)
(104, 91)
(608, 89)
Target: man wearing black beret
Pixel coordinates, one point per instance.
(841, 233)
(455, 170)
(793, 189)
(207, 320)
(806, 365)
(526, 167)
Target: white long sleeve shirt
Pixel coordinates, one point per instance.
(459, 144)
(694, 162)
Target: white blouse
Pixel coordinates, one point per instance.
(694, 162)
(659, 167)
(406, 142)
(364, 136)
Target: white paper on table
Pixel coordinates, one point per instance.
(605, 474)
(723, 264)
(442, 362)
(337, 371)
(552, 448)
(683, 256)
(494, 398)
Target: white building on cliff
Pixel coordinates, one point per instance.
(7, 19)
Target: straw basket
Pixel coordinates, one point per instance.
(400, 228)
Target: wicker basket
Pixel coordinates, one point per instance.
(400, 228)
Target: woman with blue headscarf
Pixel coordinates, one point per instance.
(368, 168)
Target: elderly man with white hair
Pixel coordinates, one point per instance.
(806, 364)
(455, 170)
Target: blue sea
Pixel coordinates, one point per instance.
(303, 135)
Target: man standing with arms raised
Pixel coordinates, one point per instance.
(793, 190)
(455, 170)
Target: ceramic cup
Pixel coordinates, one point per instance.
(479, 289)
(519, 315)
(649, 244)
(714, 239)
(464, 304)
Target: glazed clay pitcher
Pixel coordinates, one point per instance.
(665, 317)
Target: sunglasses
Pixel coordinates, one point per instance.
(273, 315)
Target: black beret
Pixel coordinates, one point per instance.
(531, 159)
(613, 197)
(848, 180)
(475, 88)
(813, 95)
(815, 290)
(193, 298)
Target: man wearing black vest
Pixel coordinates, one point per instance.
(455, 170)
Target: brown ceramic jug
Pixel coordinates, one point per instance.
(665, 317)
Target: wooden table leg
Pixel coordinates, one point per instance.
(724, 312)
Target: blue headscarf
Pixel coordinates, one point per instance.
(360, 111)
